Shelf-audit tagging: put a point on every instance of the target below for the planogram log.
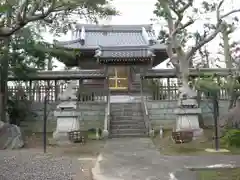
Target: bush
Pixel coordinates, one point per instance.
(232, 138)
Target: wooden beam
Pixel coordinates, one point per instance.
(61, 75)
(99, 74)
(170, 73)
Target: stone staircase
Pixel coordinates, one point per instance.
(127, 120)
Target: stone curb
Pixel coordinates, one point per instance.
(188, 173)
(95, 171)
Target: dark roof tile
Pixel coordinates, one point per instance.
(113, 35)
(124, 51)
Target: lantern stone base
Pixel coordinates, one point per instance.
(187, 120)
(66, 122)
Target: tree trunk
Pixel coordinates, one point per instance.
(4, 80)
(229, 65)
(227, 55)
(184, 70)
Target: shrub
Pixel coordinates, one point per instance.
(232, 138)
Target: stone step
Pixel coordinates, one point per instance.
(126, 113)
(126, 109)
(127, 131)
(128, 119)
(128, 135)
(127, 126)
(126, 104)
(129, 122)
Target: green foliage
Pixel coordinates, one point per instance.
(18, 107)
(208, 85)
(24, 58)
(232, 138)
(58, 15)
(66, 56)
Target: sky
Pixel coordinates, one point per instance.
(140, 12)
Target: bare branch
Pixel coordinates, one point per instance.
(170, 28)
(219, 27)
(181, 11)
(203, 42)
(218, 10)
(229, 13)
(29, 17)
(190, 22)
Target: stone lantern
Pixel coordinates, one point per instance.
(67, 114)
(187, 112)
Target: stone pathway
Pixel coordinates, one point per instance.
(137, 159)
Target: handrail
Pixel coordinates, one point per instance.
(145, 110)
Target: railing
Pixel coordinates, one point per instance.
(93, 95)
(160, 90)
(145, 110)
(37, 93)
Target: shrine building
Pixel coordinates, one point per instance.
(122, 51)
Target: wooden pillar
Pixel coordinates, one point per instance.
(56, 90)
(30, 91)
(106, 83)
(79, 95)
(168, 89)
(129, 75)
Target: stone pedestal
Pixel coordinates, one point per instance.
(67, 120)
(187, 113)
(187, 119)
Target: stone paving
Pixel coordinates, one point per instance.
(34, 165)
(138, 159)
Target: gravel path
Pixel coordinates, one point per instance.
(33, 165)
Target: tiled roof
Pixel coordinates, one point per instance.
(124, 52)
(94, 27)
(112, 35)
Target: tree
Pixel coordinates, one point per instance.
(57, 13)
(174, 12)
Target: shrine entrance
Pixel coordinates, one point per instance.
(118, 78)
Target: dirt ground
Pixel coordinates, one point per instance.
(87, 153)
(197, 147)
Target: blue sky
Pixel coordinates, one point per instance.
(140, 12)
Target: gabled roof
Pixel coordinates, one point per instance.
(124, 52)
(89, 36)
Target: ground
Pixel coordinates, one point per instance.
(138, 159)
(123, 158)
(222, 174)
(167, 147)
(60, 163)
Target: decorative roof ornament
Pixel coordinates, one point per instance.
(83, 33)
(82, 36)
(145, 34)
(151, 40)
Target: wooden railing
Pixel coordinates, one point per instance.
(145, 109)
(37, 93)
(160, 90)
(93, 95)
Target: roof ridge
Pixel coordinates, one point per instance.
(114, 27)
(124, 47)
